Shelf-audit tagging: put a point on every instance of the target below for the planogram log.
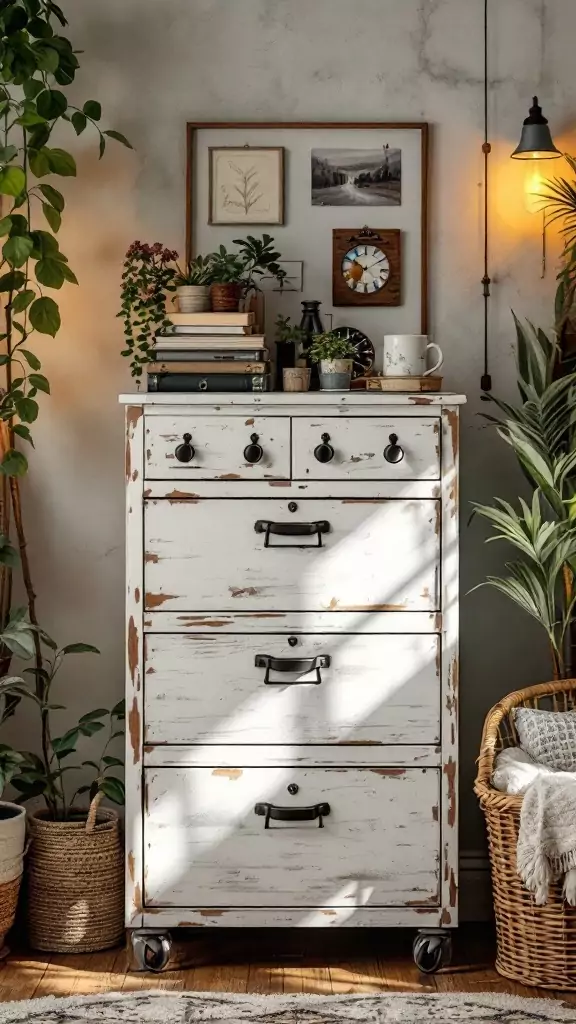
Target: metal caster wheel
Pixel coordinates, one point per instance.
(432, 950)
(151, 950)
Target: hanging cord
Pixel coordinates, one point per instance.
(486, 379)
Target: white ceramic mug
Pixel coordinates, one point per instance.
(405, 355)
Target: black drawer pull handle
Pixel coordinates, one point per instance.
(324, 452)
(274, 813)
(302, 665)
(292, 530)
(185, 452)
(253, 452)
(393, 452)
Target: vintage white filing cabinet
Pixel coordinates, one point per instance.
(292, 664)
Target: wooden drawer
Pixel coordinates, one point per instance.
(219, 443)
(377, 555)
(375, 689)
(359, 444)
(204, 845)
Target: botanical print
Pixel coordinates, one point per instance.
(246, 186)
(357, 177)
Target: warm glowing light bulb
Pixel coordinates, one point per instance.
(533, 186)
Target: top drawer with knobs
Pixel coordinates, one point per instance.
(188, 447)
(366, 448)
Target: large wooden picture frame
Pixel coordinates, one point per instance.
(222, 128)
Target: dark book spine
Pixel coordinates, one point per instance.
(190, 382)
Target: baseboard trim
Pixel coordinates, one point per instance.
(475, 886)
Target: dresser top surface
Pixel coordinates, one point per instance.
(349, 399)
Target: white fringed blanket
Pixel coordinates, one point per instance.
(547, 839)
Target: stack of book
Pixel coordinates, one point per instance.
(209, 352)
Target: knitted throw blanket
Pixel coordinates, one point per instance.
(547, 838)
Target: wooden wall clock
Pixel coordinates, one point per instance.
(366, 267)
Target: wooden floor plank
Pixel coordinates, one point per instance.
(304, 963)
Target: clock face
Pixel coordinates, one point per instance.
(365, 269)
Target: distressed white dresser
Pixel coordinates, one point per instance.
(292, 664)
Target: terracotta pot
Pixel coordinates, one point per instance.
(12, 840)
(75, 875)
(225, 298)
(193, 298)
(296, 378)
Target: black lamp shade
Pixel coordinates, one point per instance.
(536, 142)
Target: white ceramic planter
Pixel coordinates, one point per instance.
(193, 298)
(12, 842)
(335, 374)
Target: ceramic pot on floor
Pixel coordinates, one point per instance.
(335, 374)
(12, 842)
(75, 876)
(193, 298)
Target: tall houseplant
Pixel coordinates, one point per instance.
(558, 199)
(540, 431)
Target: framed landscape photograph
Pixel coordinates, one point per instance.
(246, 185)
(357, 177)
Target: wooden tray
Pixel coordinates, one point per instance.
(402, 383)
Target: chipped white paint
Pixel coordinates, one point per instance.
(377, 739)
(379, 689)
(377, 555)
(204, 844)
(219, 444)
(359, 447)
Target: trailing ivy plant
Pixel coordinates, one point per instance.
(149, 273)
(37, 62)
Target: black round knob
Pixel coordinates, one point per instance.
(393, 452)
(324, 452)
(293, 789)
(253, 452)
(292, 640)
(185, 452)
(292, 506)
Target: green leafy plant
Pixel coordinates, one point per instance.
(559, 203)
(45, 774)
(197, 272)
(149, 274)
(330, 345)
(254, 258)
(540, 431)
(287, 332)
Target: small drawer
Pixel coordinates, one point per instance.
(186, 447)
(307, 688)
(366, 448)
(291, 837)
(228, 554)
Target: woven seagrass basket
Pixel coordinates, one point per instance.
(75, 875)
(536, 945)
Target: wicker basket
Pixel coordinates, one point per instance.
(536, 945)
(75, 875)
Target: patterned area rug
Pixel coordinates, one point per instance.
(191, 1007)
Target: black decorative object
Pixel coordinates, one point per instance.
(185, 451)
(363, 361)
(311, 324)
(285, 358)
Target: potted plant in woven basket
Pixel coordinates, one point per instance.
(75, 866)
(536, 943)
(234, 274)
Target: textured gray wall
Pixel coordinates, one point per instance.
(155, 64)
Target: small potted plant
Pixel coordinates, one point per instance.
(335, 356)
(193, 285)
(234, 274)
(75, 867)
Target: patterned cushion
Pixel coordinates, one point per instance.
(548, 736)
